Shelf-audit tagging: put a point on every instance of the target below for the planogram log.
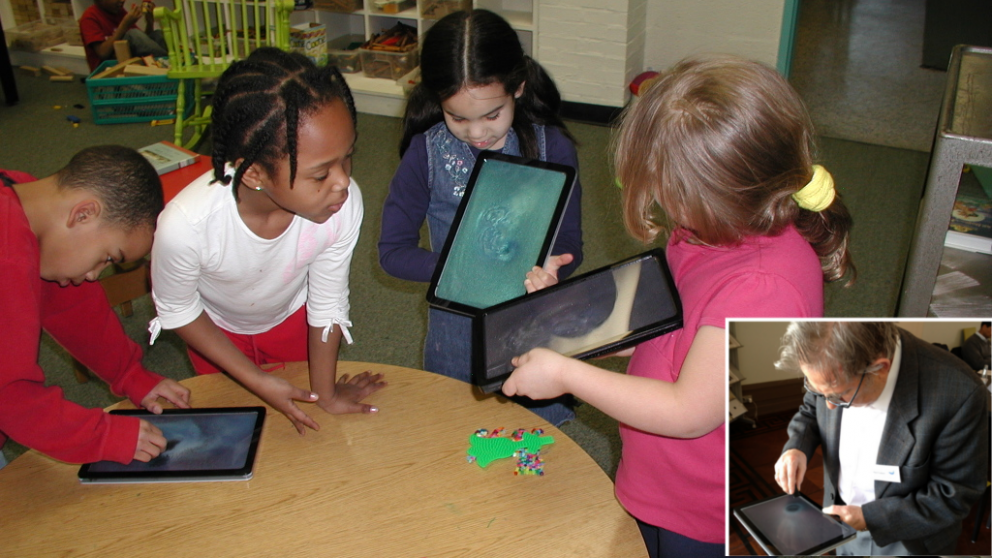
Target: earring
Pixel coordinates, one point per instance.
(258, 188)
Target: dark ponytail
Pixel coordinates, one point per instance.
(478, 48)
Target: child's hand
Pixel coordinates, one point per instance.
(170, 390)
(132, 17)
(538, 375)
(281, 395)
(541, 278)
(151, 442)
(349, 392)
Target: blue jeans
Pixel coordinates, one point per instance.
(448, 351)
(146, 44)
(662, 542)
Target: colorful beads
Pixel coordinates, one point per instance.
(527, 463)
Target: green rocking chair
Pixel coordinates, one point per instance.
(203, 38)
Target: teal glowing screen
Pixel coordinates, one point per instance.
(507, 219)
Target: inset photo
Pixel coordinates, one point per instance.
(859, 438)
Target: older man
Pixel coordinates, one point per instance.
(904, 431)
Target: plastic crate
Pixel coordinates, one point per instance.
(387, 64)
(436, 9)
(343, 53)
(33, 36)
(70, 29)
(120, 100)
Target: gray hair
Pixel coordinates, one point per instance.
(845, 348)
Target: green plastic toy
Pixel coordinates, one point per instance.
(487, 450)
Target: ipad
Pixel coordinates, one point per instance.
(793, 525)
(506, 224)
(596, 313)
(214, 444)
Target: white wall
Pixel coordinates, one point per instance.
(677, 28)
(760, 344)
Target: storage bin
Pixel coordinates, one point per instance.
(70, 29)
(122, 100)
(344, 6)
(392, 6)
(436, 9)
(387, 64)
(33, 36)
(343, 52)
(310, 39)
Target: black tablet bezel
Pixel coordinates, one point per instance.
(639, 335)
(556, 216)
(242, 473)
(827, 546)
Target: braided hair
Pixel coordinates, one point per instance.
(258, 105)
(477, 48)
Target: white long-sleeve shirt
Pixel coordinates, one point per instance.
(205, 258)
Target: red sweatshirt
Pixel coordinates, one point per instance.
(81, 320)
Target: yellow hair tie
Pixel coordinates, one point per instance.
(819, 193)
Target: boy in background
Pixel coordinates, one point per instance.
(56, 235)
(106, 22)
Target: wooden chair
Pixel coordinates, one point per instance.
(203, 38)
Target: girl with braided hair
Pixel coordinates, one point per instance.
(251, 260)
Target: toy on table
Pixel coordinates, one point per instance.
(486, 447)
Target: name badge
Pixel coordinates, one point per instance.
(887, 473)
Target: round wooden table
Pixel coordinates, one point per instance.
(393, 484)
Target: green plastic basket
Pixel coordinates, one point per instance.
(122, 100)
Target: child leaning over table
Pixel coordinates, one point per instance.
(56, 235)
(724, 147)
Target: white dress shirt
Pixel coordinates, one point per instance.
(860, 436)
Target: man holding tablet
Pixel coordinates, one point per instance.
(904, 431)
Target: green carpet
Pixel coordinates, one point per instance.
(881, 186)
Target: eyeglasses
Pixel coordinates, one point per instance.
(834, 399)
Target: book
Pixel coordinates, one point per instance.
(166, 156)
(971, 224)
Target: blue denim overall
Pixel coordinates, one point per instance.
(448, 348)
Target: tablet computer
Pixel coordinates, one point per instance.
(590, 315)
(213, 444)
(793, 525)
(506, 224)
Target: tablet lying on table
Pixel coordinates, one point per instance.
(203, 445)
(793, 525)
(506, 224)
(590, 315)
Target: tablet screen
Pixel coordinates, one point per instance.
(793, 525)
(505, 226)
(202, 444)
(598, 312)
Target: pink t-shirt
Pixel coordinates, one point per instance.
(679, 484)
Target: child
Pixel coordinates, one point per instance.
(724, 147)
(106, 22)
(478, 91)
(248, 255)
(56, 235)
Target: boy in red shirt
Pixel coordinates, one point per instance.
(56, 235)
(106, 21)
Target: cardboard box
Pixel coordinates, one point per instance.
(310, 39)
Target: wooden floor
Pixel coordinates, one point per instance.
(753, 454)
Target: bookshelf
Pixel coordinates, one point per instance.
(384, 96)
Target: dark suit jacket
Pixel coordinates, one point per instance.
(975, 352)
(936, 432)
